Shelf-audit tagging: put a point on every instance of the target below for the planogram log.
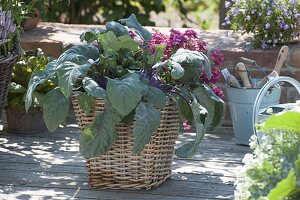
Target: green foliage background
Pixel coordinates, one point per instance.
(191, 12)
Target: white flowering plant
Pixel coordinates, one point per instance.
(270, 21)
(273, 170)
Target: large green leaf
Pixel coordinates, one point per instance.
(193, 62)
(147, 121)
(90, 35)
(177, 71)
(159, 65)
(92, 88)
(117, 28)
(157, 55)
(284, 187)
(86, 102)
(190, 148)
(99, 137)
(125, 94)
(126, 42)
(185, 110)
(111, 43)
(36, 79)
(79, 54)
(286, 121)
(132, 22)
(55, 109)
(38, 99)
(156, 97)
(68, 73)
(214, 105)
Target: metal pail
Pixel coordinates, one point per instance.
(241, 102)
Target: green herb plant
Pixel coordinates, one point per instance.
(12, 13)
(30, 62)
(126, 73)
(272, 172)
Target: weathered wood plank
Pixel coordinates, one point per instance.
(169, 188)
(27, 177)
(49, 166)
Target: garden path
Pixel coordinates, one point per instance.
(49, 166)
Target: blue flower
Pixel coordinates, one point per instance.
(264, 46)
(286, 27)
(270, 12)
(248, 18)
(227, 4)
(267, 25)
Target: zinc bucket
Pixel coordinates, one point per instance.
(241, 102)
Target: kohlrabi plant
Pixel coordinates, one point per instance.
(272, 172)
(119, 64)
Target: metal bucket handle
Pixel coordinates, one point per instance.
(248, 61)
(263, 91)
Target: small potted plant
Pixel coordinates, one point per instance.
(31, 14)
(129, 93)
(9, 46)
(18, 121)
(270, 21)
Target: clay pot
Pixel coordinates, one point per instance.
(31, 22)
(18, 121)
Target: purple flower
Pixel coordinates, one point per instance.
(227, 20)
(7, 25)
(247, 47)
(242, 28)
(253, 11)
(215, 75)
(132, 34)
(217, 57)
(297, 15)
(235, 11)
(248, 18)
(218, 91)
(286, 27)
(264, 46)
(282, 24)
(227, 4)
(270, 12)
(267, 25)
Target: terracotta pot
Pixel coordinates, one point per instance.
(18, 121)
(31, 22)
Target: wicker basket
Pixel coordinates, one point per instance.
(6, 66)
(119, 168)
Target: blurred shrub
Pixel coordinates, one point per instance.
(100, 11)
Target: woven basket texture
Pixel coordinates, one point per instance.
(119, 168)
(6, 66)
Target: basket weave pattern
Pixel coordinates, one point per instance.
(6, 67)
(119, 168)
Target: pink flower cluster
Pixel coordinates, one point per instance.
(190, 40)
(187, 40)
